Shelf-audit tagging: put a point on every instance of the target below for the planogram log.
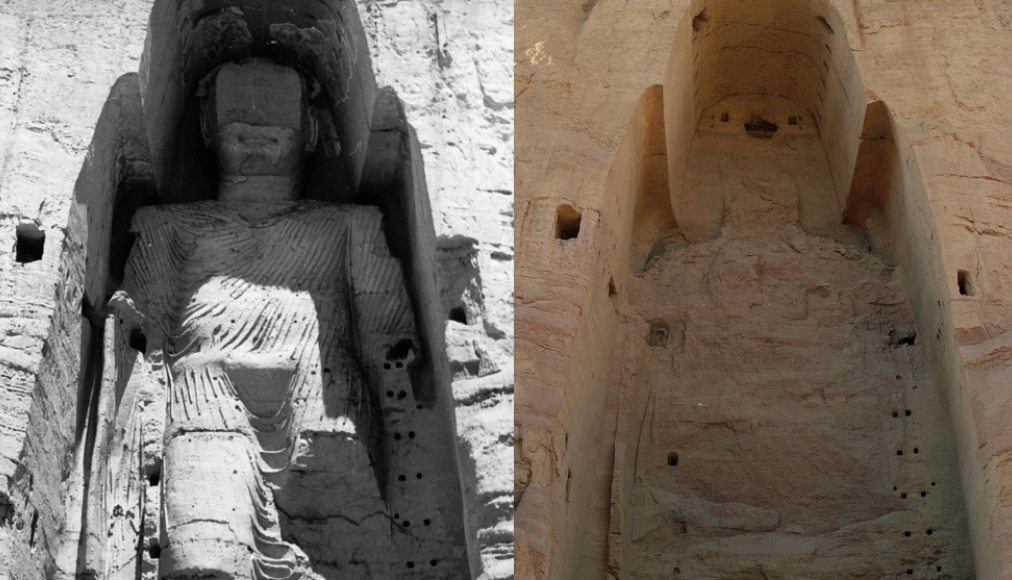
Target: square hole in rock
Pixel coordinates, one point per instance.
(658, 336)
(30, 243)
(567, 222)
(965, 283)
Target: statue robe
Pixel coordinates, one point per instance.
(258, 321)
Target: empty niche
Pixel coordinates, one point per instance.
(736, 67)
(458, 314)
(567, 222)
(699, 21)
(964, 283)
(757, 126)
(657, 337)
(30, 242)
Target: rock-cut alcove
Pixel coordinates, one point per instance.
(392, 507)
(781, 415)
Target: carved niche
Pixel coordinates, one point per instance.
(267, 396)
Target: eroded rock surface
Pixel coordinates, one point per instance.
(60, 49)
(647, 170)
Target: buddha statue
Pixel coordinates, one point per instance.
(253, 310)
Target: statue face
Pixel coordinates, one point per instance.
(259, 127)
(245, 150)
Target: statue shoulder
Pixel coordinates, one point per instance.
(172, 215)
(356, 216)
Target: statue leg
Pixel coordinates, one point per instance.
(331, 502)
(219, 515)
(207, 508)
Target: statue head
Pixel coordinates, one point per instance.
(256, 119)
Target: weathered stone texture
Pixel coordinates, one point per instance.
(616, 123)
(448, 62)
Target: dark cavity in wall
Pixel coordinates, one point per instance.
(567, 222)
(30, 243)
(760, 128)
(458, 314)
(138, 341)
(658, 336)
(965, 283)
(699, 21)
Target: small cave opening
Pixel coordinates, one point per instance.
(673, 459)
(458, 314)
(758, 127)
(658, 336)
(400, 351)
(567, 222)
(138, 341)
(898, 339)
(154, 476)
(612, 290)
(699, 21)
(725, 117)
(30, 243)
(154, 551)
(964, 283)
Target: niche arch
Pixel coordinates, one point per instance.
(777, 67)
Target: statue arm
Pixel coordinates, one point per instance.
(129, 415)
(381, 306)
(129, 420)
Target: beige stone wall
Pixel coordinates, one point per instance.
(448, 61)
(942, 69)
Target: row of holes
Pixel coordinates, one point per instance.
(431, 563)
(910, 571)
(701, 19)
(905, 495)
(406, 524)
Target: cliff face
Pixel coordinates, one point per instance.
(449, 65)
(782, 313)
